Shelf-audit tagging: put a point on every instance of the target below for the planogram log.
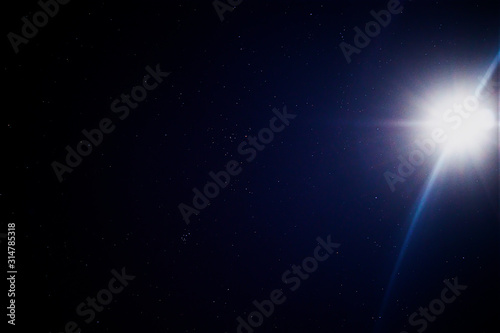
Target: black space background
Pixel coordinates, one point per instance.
(322, 175)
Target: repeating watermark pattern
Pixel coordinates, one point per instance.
(427, 147)
(372, 29)
(103, 298)
(221, 7)
(436, 307)
(120, 106)
(221, 179)
(29, 29)
(293, 279)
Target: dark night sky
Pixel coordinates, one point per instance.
(322, 175)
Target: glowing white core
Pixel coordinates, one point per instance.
(472, 133)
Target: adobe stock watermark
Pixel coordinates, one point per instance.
(437, 306)
(121, 107)
(372, 29)
(103, 298)
(293, 278)
(221, 179)
(427, 147)
(221, 7)
(29, 29)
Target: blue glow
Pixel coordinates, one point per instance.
(418, 212)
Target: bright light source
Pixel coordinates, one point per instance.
(464, 122)
(472, 133)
